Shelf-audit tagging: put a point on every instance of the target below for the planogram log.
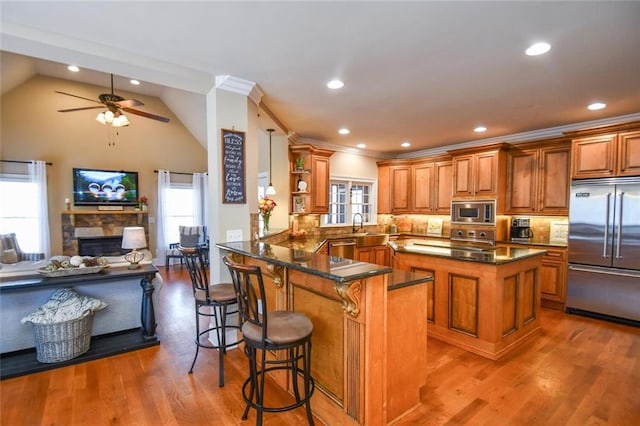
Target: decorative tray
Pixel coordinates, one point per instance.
(65, 272)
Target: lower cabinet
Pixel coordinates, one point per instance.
(554, 278)
(378, 255)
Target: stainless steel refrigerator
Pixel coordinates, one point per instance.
(604, 249)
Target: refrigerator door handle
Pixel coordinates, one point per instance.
(616, 272)
(606, 227)
(619, 237)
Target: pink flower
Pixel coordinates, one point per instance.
(266, 206)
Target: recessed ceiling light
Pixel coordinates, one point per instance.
(596, 106)
(538, 49)
(335, 84)
(480, 129)
(73, 68)
(344, 131)
(134, 82)
(405, 144)
(361, 145)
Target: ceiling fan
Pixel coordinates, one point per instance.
(116, 106)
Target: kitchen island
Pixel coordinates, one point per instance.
(369, 343)
(484, 300)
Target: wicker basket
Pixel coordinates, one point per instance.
(63, 340)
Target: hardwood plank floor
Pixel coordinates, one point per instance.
(580, 371)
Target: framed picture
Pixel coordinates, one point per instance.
(233, 167)
(299, 204)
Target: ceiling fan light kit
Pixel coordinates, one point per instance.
(116, 107)
(116, 120)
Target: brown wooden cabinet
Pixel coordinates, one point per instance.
(378, 255)
(606, 151)
(538, 178)
(554, 278)
(480, 172)
(444, 187)
(422, 186)
(314, 196)
(399, 191)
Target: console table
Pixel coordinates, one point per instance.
(130, 311)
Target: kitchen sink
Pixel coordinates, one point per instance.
(371, 239)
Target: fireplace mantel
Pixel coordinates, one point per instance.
(72, 213)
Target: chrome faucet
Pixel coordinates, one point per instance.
(353, 223)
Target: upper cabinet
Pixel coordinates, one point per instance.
(538, 177)
(606, 152)
(480, 172)
(422, 186)
(309, 179)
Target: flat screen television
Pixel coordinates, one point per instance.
(93, 187)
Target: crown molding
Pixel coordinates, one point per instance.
(240, 86)
(517, 138)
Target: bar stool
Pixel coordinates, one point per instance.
(271, 331)
(213, 302)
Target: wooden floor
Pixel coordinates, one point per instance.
(580, 371)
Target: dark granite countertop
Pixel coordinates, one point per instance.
(330, 267)
(446, 249)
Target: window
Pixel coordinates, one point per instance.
(20, 217)
(346, 198)
(180, 208)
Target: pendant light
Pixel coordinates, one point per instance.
(270, 189)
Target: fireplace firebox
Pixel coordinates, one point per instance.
(101, 246)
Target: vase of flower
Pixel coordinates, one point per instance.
(265, 207)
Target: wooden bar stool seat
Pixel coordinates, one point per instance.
(284, 332)
(213, 301)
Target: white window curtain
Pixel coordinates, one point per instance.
(164, 183)
(38, 176)
(200, 199)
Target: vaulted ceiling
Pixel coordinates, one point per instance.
(424, 72)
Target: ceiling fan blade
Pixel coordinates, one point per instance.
(146, 114)
(128, 103)
(76, 96)
(81, 108)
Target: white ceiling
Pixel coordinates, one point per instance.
(426, 72)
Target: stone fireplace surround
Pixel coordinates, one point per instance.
(98, 229)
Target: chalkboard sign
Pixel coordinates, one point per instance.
(233, 166)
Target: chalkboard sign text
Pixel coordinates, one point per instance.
(233, 167)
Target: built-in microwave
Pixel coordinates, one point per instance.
(477, 212)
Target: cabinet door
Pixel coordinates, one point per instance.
(384, 185)
(443, 187)
(486, 174)
(629, 154)
(422, 181)
(554, 181)
(319, 185)
(594, 156)
(463, 176)
(521, 183)
(378, 255)
(382, 255)
(400, 177)
(554, 279)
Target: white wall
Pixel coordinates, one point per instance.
(352, 165)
